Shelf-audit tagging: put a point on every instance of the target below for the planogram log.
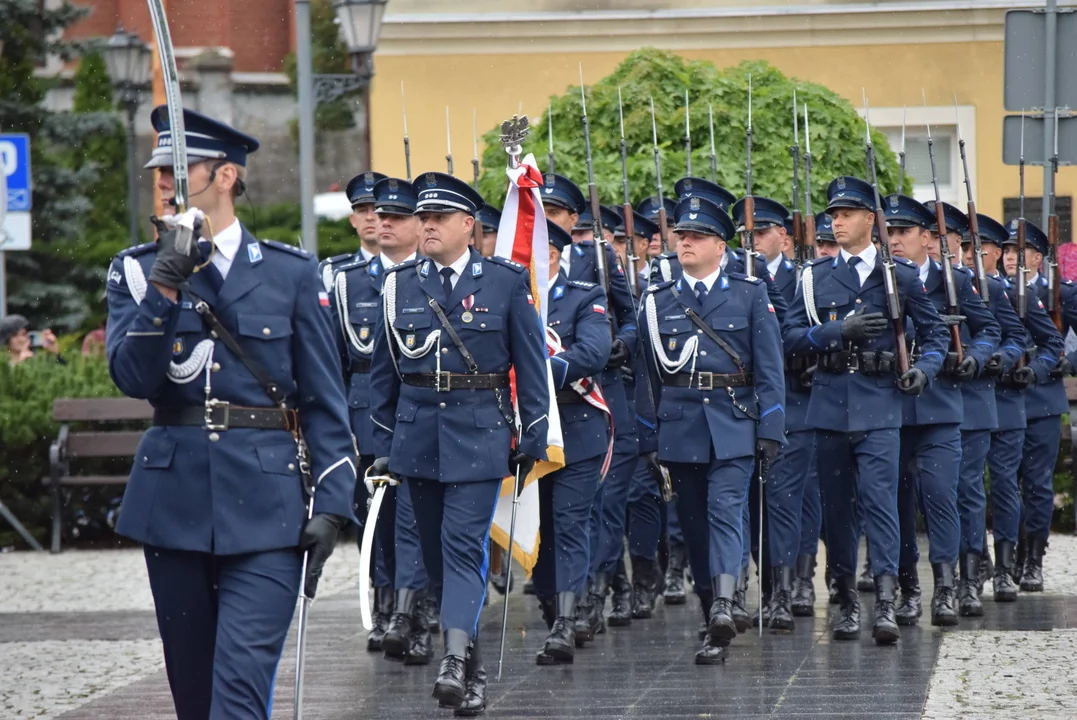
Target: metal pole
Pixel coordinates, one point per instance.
(132, 174)
(3, 284)
(1049, 109)
(305, 88)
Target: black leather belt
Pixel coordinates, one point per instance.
(707, 380)
(359, 367)
(446, 381)
(569, 397)
(864, 362)
(222, 416)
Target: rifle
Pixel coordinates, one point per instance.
(549, 134)
(1022, 282)
(974, 223)
(630, 224)
(407, 143)
(448, 141)
(663, 223)
(476, 229)
(687, 137)
(809, 217)
(948, 286)
(901, 155)
(596, 207)
(749, 206)
(893, 302)
(712, 157)
(798, 219)
(1054, 287)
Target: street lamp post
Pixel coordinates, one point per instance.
(128, 62)
(360, 25)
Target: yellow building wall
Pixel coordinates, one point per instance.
(496, 85)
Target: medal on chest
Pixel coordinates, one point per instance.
(468, 303)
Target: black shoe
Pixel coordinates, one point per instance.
(741, 618)
(711, 653)
(942, 596)
(421, 647)
(621, 598)
(1019, 558)
(529, 588)
(1032, 577)
(475, 697)
(968, 590)
(833, 596)
(451, 684)
(383, 609)
(674, 593)
(644, 587)
(781, 611)
(560, 645)
(426, 611)
(911, 607)
(866, 583)
(397, 638)
(847, 626)
(720, 624)
(803, 604)
(497, 580)
(1003, 586)
(884, 628)
(600, 589)
(584, 631)
(986, 569)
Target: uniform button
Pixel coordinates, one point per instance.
(291, 466)
(266, 331)
(730, 326)
(214, 437)
(482, 325)
(444, 351)
(441, 405)
(858, 301)
(213, 333)
(706, 401)
(703, 353)
(215, 367)
(411, 325)
(157, 322)
(699, 332)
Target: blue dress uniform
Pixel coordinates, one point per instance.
(856, 406)
(218, 501)
(399, 563)
(719, 403)
(360, 191)
(577, 315)
(1045, 401)
(931, 435)
(442, 417)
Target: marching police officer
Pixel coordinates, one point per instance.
(838, 313)
(455, 325)
(490, 217)
(232, 344)
(716, 345)
(577, 324)
(360, 192)
(930, 432)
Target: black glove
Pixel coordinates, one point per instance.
(1063, 369)
(952, 320)
(654, 467)
(993, 368)
(967, 369)
(628, 374)
(171, 268)
(520, 465)
(767, 451)
(864, 326)
(1024, 376)
(319, 537)
(380, 466)
(619, 354)
(912, 382)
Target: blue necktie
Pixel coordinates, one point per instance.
(446, 281)
(216, 280)
(853, 262)
(701, 291)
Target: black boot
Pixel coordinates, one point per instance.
(740, 600)
(548, 606)
(397, 637)
(942, 596)
(987, 568)
(451, 685)
(498, 579)
(781, 611)
(383, 608)
(420, 644)
(1019, 557)
(584, 631)
(1032, 577)
(600, 589)
(848, 625)
(833, 596)
(968, 591)
(911, 607)
(426, 610)
(763, 611)
(721, 626)
(866, 583)
(712, 653)
(884, 629)
(804, 587)
(644, 587)
(560, 645)
(621, 598)
(475, 698)
(529, 588)
(674, 593)
(1003, 586)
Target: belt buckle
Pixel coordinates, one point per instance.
(442, 382)
(706, 380)
(211, 407)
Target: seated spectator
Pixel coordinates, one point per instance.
(20, 344)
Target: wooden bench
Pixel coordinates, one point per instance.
(97, 442)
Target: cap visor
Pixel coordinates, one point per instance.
(393, 210)
(846, 204)
(697, 228)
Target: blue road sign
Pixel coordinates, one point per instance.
(15, 161)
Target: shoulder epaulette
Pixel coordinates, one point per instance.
(406, 264)
(1067, 282)
(745, 278)
(660, 286)
(137, 250)
(968, 271)
(821, 260)
(354, 265)
(581, 284)
(512, 264)
(293, 249)
(905, 261)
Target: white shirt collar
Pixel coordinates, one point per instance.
(924, 270)
(389, 264)
(229, 240)
(867, 256)
(725, 259)
(367, 255)
(773, 265)
(1034, 279)
(458, 266)
(690, 282)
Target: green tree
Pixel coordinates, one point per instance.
(837, 132)
(328, 56)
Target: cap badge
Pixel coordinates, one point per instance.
(431, 181)
(841, 183)
(368, 178)
(893, 202)
(693, 203)
(394, 185)
(551, 180)
(687, 184)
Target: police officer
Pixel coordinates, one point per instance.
(716, 345)
(838, 313)
(578, 324)
(357, 302)
(232, 344)
(930, 432)
(455, 325)
(649, 209)
(360, 192)
(1045, 401)
(490, 217)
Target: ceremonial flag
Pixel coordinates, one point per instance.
(522, 237)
